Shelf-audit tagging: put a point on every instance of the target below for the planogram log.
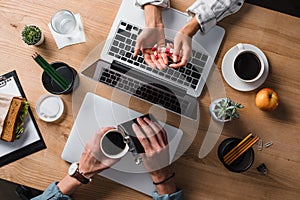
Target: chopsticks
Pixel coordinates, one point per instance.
(239, 149)
(57, 77)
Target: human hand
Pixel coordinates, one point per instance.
(182, 50)
(152, 34)
(156, 157)
(183, 43)
(92, 160)
(146, 41)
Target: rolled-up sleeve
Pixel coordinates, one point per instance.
(52, 193)
(161, 3)
(175, 196)
(209, 12)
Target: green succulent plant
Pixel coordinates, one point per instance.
(226, 109)
(31, 34)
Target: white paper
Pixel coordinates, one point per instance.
(78, 37)
(30, 134)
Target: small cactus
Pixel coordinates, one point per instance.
(226, 109)
(31, 34)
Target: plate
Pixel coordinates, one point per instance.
(232, 79)
(49, 108)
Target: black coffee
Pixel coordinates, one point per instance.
(247, 66)
(113, 143)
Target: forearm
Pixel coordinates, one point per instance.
(153, 17)
(68, 185)
(166, 188)
(190, 28)
(166, 179)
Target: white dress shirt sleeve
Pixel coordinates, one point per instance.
(161, 3)
(209, 12)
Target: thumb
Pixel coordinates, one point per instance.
(137, 47)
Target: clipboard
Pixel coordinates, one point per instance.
(31, 140)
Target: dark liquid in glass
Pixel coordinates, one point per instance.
(113, 143)
(247, 66)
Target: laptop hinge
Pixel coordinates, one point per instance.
(152, 80)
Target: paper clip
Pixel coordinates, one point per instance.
(260, 144)
(268, 144)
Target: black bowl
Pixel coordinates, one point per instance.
(241, 164)
(67, 72)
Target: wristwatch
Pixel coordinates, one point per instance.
(74, 172)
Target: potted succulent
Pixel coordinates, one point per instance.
(32, 35)
(224, 109)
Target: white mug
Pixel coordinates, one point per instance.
(113, 145)
(247, 65)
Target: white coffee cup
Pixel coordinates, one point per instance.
(247, 65)
(113, 145)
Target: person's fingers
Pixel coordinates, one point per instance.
(141, 137)
(148, 131)
(148, 60)
(94, 141)
(161, 61)
(136, 52)
(163, 133)
(164, 58)
(182, 63)
(105, 129)
(177, 46)
(137, 47)
(156, 62)
(159, 131)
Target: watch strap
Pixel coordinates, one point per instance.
(80, 177)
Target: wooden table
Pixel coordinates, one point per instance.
(276, 34)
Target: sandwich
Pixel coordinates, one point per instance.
(13, 111)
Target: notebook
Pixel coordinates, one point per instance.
(102, 113)
(117, 67)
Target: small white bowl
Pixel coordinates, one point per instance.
(49, 108)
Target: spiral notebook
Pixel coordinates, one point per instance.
(31, 140)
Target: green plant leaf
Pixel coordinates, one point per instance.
(31, 34)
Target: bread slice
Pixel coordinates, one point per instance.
(8, 133)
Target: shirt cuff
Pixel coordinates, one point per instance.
(174, 196)
(160, 3)
(52, 192)
(209, 12)
(204, 15)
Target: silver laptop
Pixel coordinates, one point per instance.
(103, 113)
(173, 89)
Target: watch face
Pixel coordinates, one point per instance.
(72, 169)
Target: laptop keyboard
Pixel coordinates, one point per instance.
(122, 48)
(149, 92)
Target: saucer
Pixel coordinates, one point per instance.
(230, 77)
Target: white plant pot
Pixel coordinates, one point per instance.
(213, 115)
(41, 40)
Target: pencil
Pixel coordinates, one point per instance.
(237, 146)
(241, 145)
(240, 150)
(54, 75)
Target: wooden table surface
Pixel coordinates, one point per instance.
(276, 34)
